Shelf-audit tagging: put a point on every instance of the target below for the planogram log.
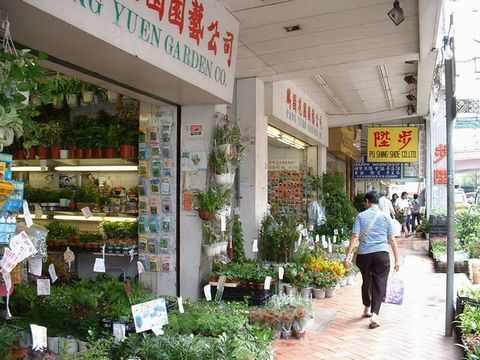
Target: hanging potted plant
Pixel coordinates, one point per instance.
(222, 138)
(88, 92)
(221, 167)
(112, 96)
(210, 202)
(210, 238)
(72, 89)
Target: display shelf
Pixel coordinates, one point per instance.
(78, 216)
(79, 165)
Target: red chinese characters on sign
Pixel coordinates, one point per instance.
(289, 98)
(405, 138)
(158, 6)
(294, 102)
(228, 46)
(382, 138)
(212, 44)
(195, 18)
(440, 153)
(300, 106)
(440, 176)
(176, 13)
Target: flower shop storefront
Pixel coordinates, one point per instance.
(297, 139)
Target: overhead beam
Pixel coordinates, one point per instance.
(361, 119)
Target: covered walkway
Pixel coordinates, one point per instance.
(413, 330)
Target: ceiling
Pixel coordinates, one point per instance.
(344, 42)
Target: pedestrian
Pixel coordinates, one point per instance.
(374, 232)
(394, 200)
(403, 206)
(416, 215)
(385, 204)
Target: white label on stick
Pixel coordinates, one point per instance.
(281, 271)
(207, 290)
(43, 165)
(255, 245)
(52, 272)
(119, 331)
(223, 223)
(43, 287)
(335, 232)
(99, 265)
(317, 238)
(268, 281)
(26, 214)
(180, 305)
(86, 212)
(38, 211)
(35, 266)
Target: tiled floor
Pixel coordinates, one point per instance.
(413, 330)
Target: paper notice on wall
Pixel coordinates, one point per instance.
(38, 211)
(52, 272)
(39, 337)
(255, 245)
(26, 214)
(281, 272)
(43, 287)
(267, 282)
(87, 212)
(181, 310)
(207, 291)
(119, 331)
(35, 266)
(99, 265)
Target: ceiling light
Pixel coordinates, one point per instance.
(98, 168)
(387, 88)
(410, 79)
(27, 168)
(273, 132)
(92, 218)
(331, 95)
(292, 28)
(411, 97)
(396, 14)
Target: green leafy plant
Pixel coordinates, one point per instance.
(58, 231)
(219, 161)
(87, 193)
(51, 133)
(8, 337)
(237, 239)
(210, 236)
(213, 200)
(277, 238)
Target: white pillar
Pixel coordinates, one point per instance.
(250, 113)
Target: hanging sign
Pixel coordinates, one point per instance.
(368, 170)
(393, 144)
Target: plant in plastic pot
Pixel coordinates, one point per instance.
(110, 140)
(72, 89)
(88, 92)
(51, 135)
(221, 167)
(210, 239)
(87, 195)
(128, 138)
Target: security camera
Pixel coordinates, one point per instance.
(411, 97)
(411, 109)
(396, 14)
(410, 79)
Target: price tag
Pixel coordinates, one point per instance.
(39, 337)
(43, 165)
(99, 265)
(35, 266)
(207, 290)
(341, 230)
(86, 212)
(119, 331)
(317, 238)
(323, 238)
(329, 247)
(305, 232)
(223, 223)
(335, 232)
(221, 283)
(140, 267)
(281, 272)
(255, 245)
(43, 287)
(38, 211)
(334, 239)
(26, 214)
(268, 281)
(52, 272)
(180, 305)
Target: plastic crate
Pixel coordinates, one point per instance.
(255, 297)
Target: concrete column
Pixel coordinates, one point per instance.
(250, 114)
(322, 160)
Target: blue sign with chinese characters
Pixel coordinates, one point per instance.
(366, 170)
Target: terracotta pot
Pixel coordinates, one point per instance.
(205, 215)
(55, 152)
(72, 154)
(109, 153)
(18, 353)
(79, 153)
(88, 153)
(97, 153)
(30, 153)
(126, 151)
(42, 152)
(19, 155)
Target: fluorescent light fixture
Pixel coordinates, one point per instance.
(21, 216)
(273, 132)
(27, 168)
(92, 218)
(387, 88)
(331, 95)
(98, 168)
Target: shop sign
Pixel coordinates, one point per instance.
(341, 140)
(364, 170)
(288, 103)
(416, 170)
(283, 165)
(467, 122)
(393, 144)
(195, 40)
(440, 175)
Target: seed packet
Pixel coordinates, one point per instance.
(153, 245)
(167, 168)
(143, 151)
(155, 151)
(145, 260)
(153, 135)
(143, 169)
(166, 187)
(142, 134)
(156, 168)
(167, 223)
(143, 224)
(166, 204)
(142, 243)
(164, 243)
(143, 208)
(154, 263)
(166, 150)
(166, 263)
(155, 186)
(167, 132)
(142, 189)
(154, 206)
(153, 224)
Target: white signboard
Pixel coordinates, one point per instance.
(149, 315)
(195, 40)
(290, 105)
(284, 165)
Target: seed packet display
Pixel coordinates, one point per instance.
(154, 206)
(167, 151)
(154, 263)
(164, 243)
(143, 224)
(156, 168)
(143, 169)
(155, 151)
(143, 151)
(155, 186)
(166, 204)
(143, 207)
(153, 135)
(167, 223)
(153, 224)
(166, 187)
(142, 243)
(167, 132)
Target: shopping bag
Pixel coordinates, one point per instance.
(395, 289)
(397, 227)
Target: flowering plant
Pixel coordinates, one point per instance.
(325, 279)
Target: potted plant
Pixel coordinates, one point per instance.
(51, 134)
(330, 281)
(129, 139)
(110, 140)
(318, 285)
(88, 92)
(112, 96)
(303, 282)
(59, 234)
(210, 238)
(210, 202)
(72, 89)
(221, 167)
(87, 195)
(8, 338)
